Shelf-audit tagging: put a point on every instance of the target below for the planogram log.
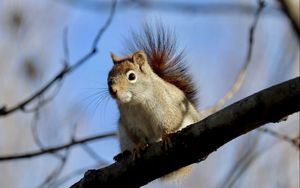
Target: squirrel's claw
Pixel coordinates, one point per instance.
(138, 150)
(166, 141)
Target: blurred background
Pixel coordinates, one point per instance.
(215, 37)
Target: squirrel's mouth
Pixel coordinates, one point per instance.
(123, 97)
(112, 92)
(119, 95)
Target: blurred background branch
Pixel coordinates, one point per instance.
(291, 9)
(241, 76)
(294, 141)
(67, 69)
(51, 150)
(219, 8)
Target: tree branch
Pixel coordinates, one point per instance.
(194, 143)
(55, 149)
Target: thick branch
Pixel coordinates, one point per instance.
(196, 142)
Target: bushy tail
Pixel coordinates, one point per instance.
(159, 43)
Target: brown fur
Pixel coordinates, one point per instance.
(160, 46)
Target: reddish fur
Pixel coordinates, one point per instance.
(160, 46)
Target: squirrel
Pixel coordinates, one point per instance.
(155, 94)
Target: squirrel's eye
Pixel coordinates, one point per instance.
(131, 76)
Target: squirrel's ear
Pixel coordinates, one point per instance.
(114, 58)
(139, 57)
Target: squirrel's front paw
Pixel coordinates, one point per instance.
(166, 141)
(122, 155)
(139, 149)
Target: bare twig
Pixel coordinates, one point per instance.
(43, 100)
(34, 127)
(61, 157)
(294, 141)
(56, 172)
(52, 180)
(93, 154)
(203, 8)
(269, 105)
(287, 10)
(243, 165)
(246, 157)
(55, 149)
(66, 46)
(65, 70)
(240, 78)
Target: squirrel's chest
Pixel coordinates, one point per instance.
(148, 126)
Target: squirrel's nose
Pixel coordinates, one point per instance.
(113, 91)
(112, 88)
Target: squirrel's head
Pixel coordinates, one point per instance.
(129, 77)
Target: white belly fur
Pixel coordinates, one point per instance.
(186, 122)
